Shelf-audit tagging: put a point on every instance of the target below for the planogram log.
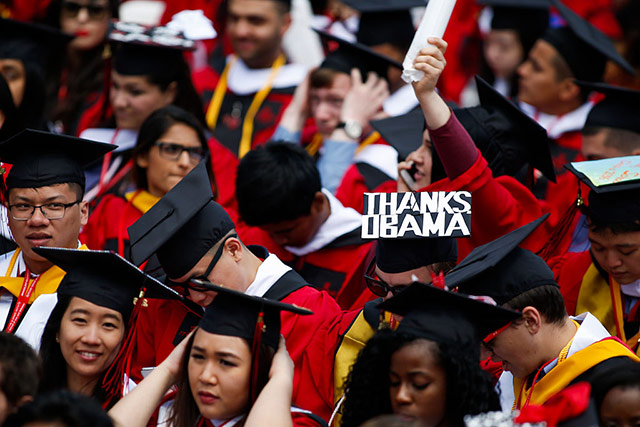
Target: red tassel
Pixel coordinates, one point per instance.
(437, 280)
(560, 231)
(255, 356)
(116, 378)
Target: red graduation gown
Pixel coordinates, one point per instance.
(363, 178)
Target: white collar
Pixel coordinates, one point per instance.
(227, 423)
(268, 273)
(590, 331)
(558, 125)
(243, 80)
(401, 101)
(125, 138)
(341, 221)
(631, 289)
(380, 156)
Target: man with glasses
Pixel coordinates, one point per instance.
(194, 238)
(44, 207)
(398, 263)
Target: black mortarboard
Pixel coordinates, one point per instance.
(104, 278)
(400, 255)
(32, 43)
(182, 226)
(350, 55)
(145, 50)
(41, 158)
(620, 109)
(404, 132)
(585, 48)
(364, 6)
(529, 18)
(500, 269)
(617, 198)
(443, 316)
(235, 314)
(517, 137)
(12, 121)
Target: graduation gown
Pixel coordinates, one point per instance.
(242, 86)
(587, 287)
(311, 340)
(590, 347)
(31, 323)
(336, 258)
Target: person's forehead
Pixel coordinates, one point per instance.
(543, 52)
(63, 189)
(252, 7)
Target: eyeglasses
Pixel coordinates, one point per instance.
(72, 9)
(173, 151)
(378, 286)
(24, 211)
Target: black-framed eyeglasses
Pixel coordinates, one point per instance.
(378, 286)
(95, 11)
(24, 211)
(171, 151)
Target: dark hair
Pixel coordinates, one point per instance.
(562, 71)
(186, 96)
(276, 182)
(31, 109)
(157, 124)
(64, 407)
(624, 373)
(469, 388)
(185, 411)
(53, 362)
(20, 369)
(546, 299)
(600, 225)
(626, 141)
(322, 77)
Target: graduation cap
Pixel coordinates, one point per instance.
(400, 255)
(447, 317)
(500, 269)
(34, 44)
(585, 48)
(182, 226)
(148, 50)
(615, 188)
(404, 132)
(620, 109)
(42, 158)
(519, 139)
(104, 278)
(350, 55)
(385, 21)
(256, 319)
(529, 18)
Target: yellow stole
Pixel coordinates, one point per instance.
(561, 375)
(247, 125)
(604, 301)
(141, 200)
(47, 284)
(316, 143)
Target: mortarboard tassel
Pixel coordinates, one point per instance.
(116, 378)
(255, 356)
(437, 280)
(561, 230)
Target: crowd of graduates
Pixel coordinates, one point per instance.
(183, 202)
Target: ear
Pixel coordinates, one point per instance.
(568, 90)
(84, 213)
(319, 200)
(142, 160)
(24, 399)
(170, 93)
(286, 23)
(234, 246)
(532, 320)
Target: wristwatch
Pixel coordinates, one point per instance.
(352, 128)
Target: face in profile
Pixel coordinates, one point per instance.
(219, 369)
(172, 157)
(90, 337)
(418, 383)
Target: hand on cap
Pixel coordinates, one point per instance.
(364, 100)
(282, 365)
(431, 62)
(297, 112)
(174, 359)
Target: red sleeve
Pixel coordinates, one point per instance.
(223, 165)
(498, 206)
(101, 224)
(455, 147)
(569, 271)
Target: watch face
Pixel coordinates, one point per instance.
(353, 129)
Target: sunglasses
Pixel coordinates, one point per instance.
(72, 9)
(378, 286)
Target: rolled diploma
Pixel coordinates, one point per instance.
(434, 22)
